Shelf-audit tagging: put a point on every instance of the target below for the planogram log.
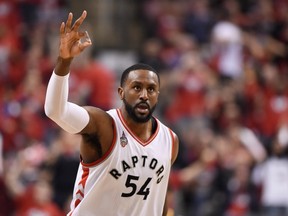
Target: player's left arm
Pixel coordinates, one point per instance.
(175, 150)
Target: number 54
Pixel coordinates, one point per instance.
(144, 190)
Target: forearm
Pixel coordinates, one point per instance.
(68, 116)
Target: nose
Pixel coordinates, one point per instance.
(144, 94)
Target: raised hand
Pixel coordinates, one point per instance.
(71, 44)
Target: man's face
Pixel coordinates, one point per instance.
(140, 94)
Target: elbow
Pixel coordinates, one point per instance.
(50, 112)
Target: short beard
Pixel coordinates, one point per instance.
(139, 119)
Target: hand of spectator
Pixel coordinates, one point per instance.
(70, 37)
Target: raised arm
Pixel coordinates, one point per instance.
(68, 116)
(94, 124)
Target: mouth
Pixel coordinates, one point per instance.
(142, 108)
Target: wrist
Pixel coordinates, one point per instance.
(62, 66)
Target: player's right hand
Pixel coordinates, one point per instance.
(70, 37)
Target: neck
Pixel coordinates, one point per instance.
(142, 130)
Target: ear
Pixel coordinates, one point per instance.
(121, 93)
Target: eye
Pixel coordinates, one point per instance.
(137, 88)
(151, 89)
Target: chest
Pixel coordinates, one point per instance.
(133, 157)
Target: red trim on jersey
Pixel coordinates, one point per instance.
(81, 189)
(131, 132)
(107, 153)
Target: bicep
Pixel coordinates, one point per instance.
(100, 131)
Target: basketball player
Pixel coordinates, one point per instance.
(126, 153)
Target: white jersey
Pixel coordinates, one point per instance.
(131, 179)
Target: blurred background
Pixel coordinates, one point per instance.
(224, 76)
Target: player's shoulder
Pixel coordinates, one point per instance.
(164, 126)
(161, 123)
(175, 139)
(112, 112)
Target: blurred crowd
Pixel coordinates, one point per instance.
(224, 90)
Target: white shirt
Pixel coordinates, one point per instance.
(273, 176)
(130, 179)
